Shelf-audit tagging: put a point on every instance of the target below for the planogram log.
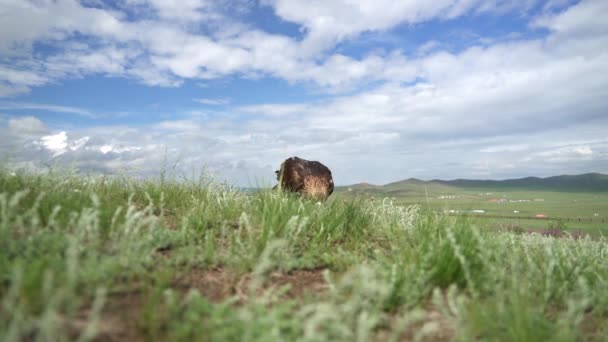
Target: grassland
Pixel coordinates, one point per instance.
(94, 258)
(580, 208)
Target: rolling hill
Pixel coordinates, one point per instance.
(589, 182)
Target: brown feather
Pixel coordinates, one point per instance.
(309, 178)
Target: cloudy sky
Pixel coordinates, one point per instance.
(378, 90)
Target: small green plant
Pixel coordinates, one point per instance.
(555, 228)
(558, 224)
(511, 228)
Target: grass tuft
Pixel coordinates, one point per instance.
(90, 257)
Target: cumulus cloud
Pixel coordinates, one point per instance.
(162, 49)
(58, 144)
(247, 153)
(505, 108)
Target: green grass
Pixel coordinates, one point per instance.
(581, 210)
(88, 257)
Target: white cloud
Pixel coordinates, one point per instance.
(190, 10)
(427, 47)
(46, 108)
(15, 81)
(567, 154)
(157, 51)
(328, 22)
(584, 19)
(56, 143)
(26, 125)
(108, 60)
(505, 148)
(107, 148)
(78, 143)
(59, 143)
(584, 150)
(248, 152)
(24, 77)
(165, 48)
(277, 110)
(213, 102)
(25, 22)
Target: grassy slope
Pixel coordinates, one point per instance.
(121, 259)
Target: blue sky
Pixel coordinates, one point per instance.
(377, 90)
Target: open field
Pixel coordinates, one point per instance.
(110, 259)
(580, 209)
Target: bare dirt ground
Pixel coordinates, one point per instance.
(553, 232)
(433, 325)
(121, 316)
(218, 283)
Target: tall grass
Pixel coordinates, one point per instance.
(78, 253)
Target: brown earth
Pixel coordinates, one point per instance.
(442, 328)
(300, 282)
(553, 232)
(121, 317)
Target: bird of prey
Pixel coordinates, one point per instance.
(309, 178)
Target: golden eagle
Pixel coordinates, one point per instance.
(308, 178)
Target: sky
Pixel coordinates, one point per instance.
(378, 91)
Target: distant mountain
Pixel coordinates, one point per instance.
(589, 182)
(409, 181)
(592, 182)
(363, 186)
